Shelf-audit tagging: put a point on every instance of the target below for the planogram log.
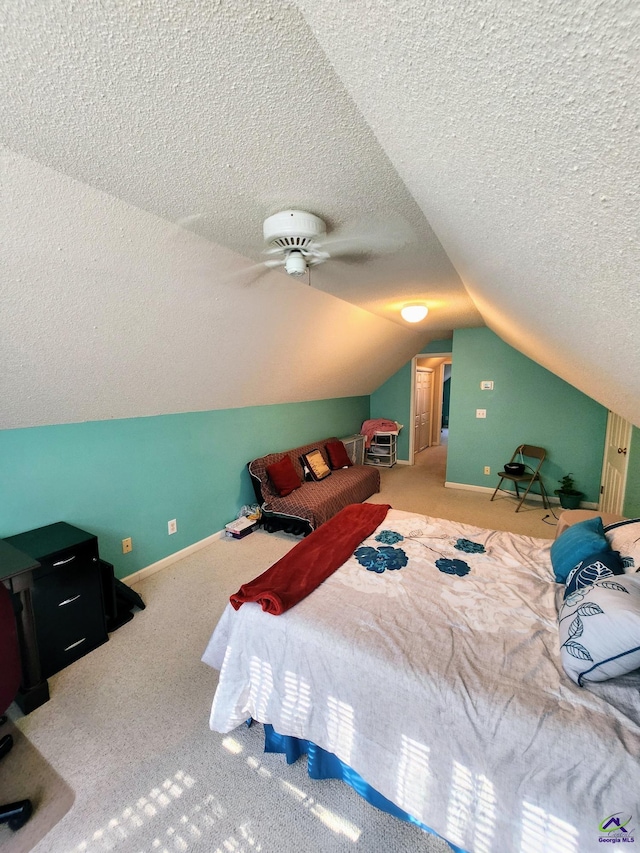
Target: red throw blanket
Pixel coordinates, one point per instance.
(371, 427)
(304, 568)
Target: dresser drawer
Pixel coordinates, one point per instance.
(64, 562)
(68, 590)
(69, 615)
(55, 543)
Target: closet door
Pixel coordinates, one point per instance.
(422, 414)
(614, 469)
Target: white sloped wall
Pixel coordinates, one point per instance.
(111, 312)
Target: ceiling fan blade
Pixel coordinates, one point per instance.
(254, 272)
(190, 219)
(367, 236)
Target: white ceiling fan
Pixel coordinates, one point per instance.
(297, 240)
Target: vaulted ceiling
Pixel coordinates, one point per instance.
(144, 144)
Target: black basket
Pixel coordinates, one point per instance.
(516, 468)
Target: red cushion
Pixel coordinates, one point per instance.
(338, 456)
(9, 652)
(284, 476)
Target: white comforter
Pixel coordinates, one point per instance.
(442, 690)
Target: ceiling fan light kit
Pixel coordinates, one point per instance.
(293, 234)
(298, 240)
(295, 264)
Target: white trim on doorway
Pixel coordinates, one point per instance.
(437, 393)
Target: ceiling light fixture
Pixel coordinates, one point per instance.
(414, 313)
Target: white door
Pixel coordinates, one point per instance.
(422, 411)
(614, 468)
(416, 411)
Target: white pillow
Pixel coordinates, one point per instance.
(624, 536)
(623, 693)
(600, 630)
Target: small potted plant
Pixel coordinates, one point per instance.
(569, 496)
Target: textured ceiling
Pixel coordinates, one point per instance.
(215, 115)
(508, 130)
(516, 128)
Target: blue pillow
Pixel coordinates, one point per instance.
(593, 569)
(578, 542)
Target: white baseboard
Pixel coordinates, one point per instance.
(466, 487)
(531, 496)
(134, 578)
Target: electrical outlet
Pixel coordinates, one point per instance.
(487, 469)
(481, 413)
(172, 526)
(127, 545)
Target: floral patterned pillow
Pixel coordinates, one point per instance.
(599, 629)
(624, 536)
(600, 566)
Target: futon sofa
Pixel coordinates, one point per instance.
(313, 503)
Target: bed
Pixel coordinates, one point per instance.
(429, 663)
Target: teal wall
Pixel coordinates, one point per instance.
(129, 477)
(632, 495)
(438, 347)
(392, 400)
(528, 405)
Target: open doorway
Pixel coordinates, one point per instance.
(430, 394)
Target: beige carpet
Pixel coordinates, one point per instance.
(127, 725)
(420, 488)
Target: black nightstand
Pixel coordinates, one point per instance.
(67, 598)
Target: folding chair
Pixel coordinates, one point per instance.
(530, 476)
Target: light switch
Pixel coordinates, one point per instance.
(481, 413)
(486, 385)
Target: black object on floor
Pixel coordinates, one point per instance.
(119, 599)
(18, 813)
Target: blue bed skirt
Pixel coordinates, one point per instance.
(325, 765)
